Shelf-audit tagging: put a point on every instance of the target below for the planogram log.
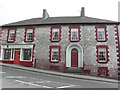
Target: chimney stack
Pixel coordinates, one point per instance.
(82, 12)
(45, 14)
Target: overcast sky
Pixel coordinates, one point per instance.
(16, 10)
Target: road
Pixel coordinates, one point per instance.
(17, 78)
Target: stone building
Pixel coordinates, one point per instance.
(70, 44)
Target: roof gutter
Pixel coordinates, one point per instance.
(62, 24)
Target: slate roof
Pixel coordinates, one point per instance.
(60, 20)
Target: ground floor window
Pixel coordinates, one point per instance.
(8, 54)
(102, 53)
(14, 53)
(103, 71)
(26, 54)
(54, 54)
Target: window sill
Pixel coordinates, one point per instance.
(28, 41)
(10, 41)
(74, 40)
(55, 61)
(8, 59)
(102, 61)
(26, 60)
(55, 40)
(101, 40)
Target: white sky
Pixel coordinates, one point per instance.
(16, 10)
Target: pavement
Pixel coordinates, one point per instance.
(70, 75)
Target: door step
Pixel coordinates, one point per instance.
(74, 70)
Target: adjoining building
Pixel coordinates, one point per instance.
(0, 39)
(70, 44)
(119, 11)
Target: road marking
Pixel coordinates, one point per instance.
(60, 83)
(10, 77)
(32, 78)
(63, 85)
(66, 86)
(32, 84)
(42, 82)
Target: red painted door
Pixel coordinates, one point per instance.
(17, 57)
(74, 58)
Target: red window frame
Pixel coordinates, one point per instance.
(103, 68)
(50, 57)
(101, 26)
(25, 35)
(51, 36)
(70, 28)
(107, 56)
(8, 35)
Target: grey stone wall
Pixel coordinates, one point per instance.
(20, 32)
(88, 43)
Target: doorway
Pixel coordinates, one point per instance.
(17, 57)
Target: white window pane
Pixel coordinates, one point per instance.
(12, 31)
(7, 53)
(55, 34)
(55, 30)
(29, 36)
(74, 34)
(55, 54)
(26, 54)
(74, 29)
(102, 54)
(101, 34)
(29, 30)
(11, 35)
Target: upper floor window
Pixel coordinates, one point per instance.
(101, 33)
(11, 35)
(54, 53)
(74, 33)
(29, 34)
(55, 33)
(102, 53)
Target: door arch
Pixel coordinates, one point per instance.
(79, 55)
